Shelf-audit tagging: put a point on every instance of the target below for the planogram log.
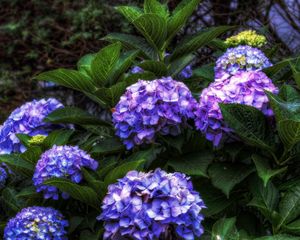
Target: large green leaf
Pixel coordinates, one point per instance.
(132, 42)
(130, 12)
(121, 171)
(180, 15)
(289, 132)
(248, 122)
(225, 229)
(17, 164)
(75, 116)
(278, 237)
(107, 146)
(289, 206)
(32, 154)
(10, 200)
(82, 193)
(293, 227)
(179, 64)
(264, 171)
(192, 43)
(206, 72)
(194, 164)
(154, 6)
(153, 27)
(68, 78)
(58, 137)
(158, 68)
(289, 93)
(84, 64)
(104, 63)
(226, 176)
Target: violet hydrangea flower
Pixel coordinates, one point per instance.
(239, 59)
(154, 205)
(61, 162)
(38, 223)
(27, 119)
(3, 177)
(147, 108)
(243, 88)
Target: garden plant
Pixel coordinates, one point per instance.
(178, 152)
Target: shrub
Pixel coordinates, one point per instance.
(249, 186)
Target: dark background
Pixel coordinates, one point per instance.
(38, 35)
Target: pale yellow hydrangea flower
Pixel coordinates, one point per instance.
(248, 37)
(37, 140)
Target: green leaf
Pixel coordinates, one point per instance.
(224, 229)
(194, 164)
(132, 42)
(265, 199)
(278, 237)
(206, 72)
(113, 94)
(153, 6)
(58, 137)
(289, 206)
(225, 176)
(84, 64)
(248, 122)
(32, 154)
(293, 227)
(17, 164)
(192, 43)
(179, 64)
(284, 110)
(153, 27)
(214, 199)
(104, 63)
(81, 193)
(289, 132)
(28, 192)
(122, 170)
(68, 78)
(158, 68)
(125, 61)
(148, 155)
(10, 200)
(74, 115)
(264, 171)
(24, 139)
(180, 15)
(107, 146)
(289, 94)
(129, 12)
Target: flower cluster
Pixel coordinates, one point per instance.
(147, 108)
(249, 37)
(27, 119)
(37, 140)
(151, 205)
(39, 223)
(243, 88)
(3, 177)
(238, 59)
(61, 162)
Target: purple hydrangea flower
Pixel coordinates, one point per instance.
(38, 223)
(3, 177)
(61, 162)
(239, 59)
(148, 108)
(27, 119)
(152, 205)
(243, 88)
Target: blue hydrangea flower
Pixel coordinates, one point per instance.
(148, 108)
(146, 206)
(27, 119)
(37, 223)
(61, 162)
(3, 177)
(239, 59)
(243, 88)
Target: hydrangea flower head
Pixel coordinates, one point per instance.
(3, 177)
(248, 37)
(61, 162)
(240, 59)
(27, 119)
(148, 108)
(243, 88)
(147, 206)
(37, 140)
(39, 223)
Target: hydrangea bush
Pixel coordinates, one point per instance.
(226, 135)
